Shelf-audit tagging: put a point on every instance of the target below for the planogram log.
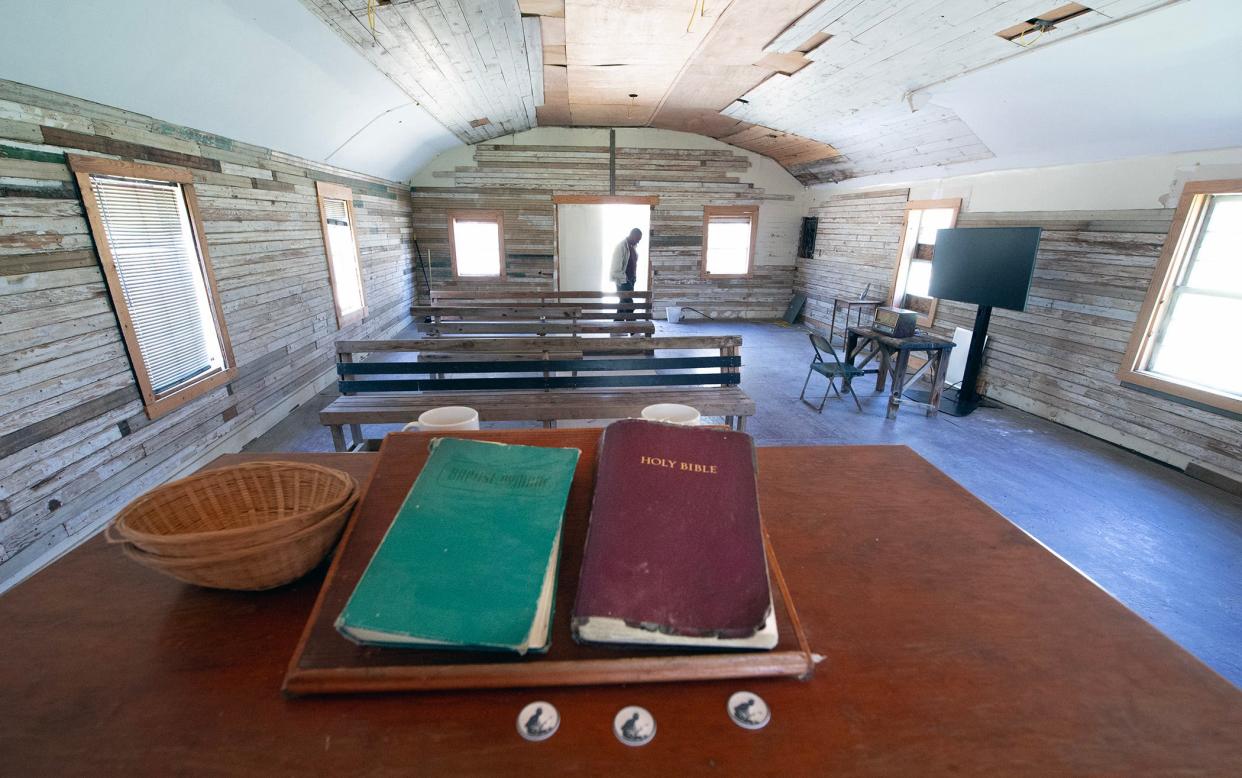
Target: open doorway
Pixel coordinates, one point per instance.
(587, 235)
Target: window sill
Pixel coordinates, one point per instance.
(161, 406)
(1183, 394)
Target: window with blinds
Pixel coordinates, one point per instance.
(341, 244)
(729, 240)
(144, 228)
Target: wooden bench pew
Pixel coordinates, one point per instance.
(591, 304)
(486, 329)
(624, 377)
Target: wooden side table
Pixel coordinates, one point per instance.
(894, 356)
(850, 304)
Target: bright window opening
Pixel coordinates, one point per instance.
(912, 278)
(1194, 300)
(1205, 297)
(476, 243)
(729, 239)
(344, 265)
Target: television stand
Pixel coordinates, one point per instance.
(966, 399)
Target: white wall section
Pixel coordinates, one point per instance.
(268, 73)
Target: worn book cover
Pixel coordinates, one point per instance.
(470, 559)
(675, 551)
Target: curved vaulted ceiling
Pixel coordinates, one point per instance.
(263, 72)
(832, 90)
(871, 90)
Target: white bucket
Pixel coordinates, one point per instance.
(673, 312)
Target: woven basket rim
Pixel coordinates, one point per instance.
(176, 562)
(118, 523)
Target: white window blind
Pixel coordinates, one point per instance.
(343, 254)
(728, 245)
(162, 281)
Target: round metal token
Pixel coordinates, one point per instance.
(748, 710)
(634, 726)
(538, 721)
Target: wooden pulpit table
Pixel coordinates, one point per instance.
(953, 643)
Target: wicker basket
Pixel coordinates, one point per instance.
(259, 567)
(232, 509)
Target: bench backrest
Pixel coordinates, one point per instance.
(590, 304)
(627, 364)
(518, 312)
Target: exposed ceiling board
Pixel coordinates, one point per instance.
(267, 73)
(784, 63)
(617, 48)
(729, 62)
(542, 7)
(461, 59)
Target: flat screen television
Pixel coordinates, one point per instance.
(985, 265)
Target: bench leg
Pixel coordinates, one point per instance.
(338, 437)
(550, 425)
(741, 423)
(355, 432)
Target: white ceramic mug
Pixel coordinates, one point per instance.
(449, 417)
(672, 413)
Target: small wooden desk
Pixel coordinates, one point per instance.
(954, 643)
(894, 354)
(850, 304)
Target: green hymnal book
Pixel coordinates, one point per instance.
(470, 559)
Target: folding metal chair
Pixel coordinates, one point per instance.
(830, 370)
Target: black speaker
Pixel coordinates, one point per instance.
(806, 243)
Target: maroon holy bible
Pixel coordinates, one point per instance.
(674, 553)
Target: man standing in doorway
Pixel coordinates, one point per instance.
(625, 272)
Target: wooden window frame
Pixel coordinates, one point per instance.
(477, 214)
(324, 189)
(955, 203)
(1187, 222)
(730, 210)
(156, 405)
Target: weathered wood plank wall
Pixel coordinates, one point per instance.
(855, 248)
(522, 179)
(75, 443)
(1059, 358)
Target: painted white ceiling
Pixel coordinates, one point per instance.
(1162, 82)
(265, 72)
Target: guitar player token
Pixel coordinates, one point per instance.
(748, 710)
(634, 726)
(538, 721)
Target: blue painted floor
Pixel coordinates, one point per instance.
(1166, 545)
